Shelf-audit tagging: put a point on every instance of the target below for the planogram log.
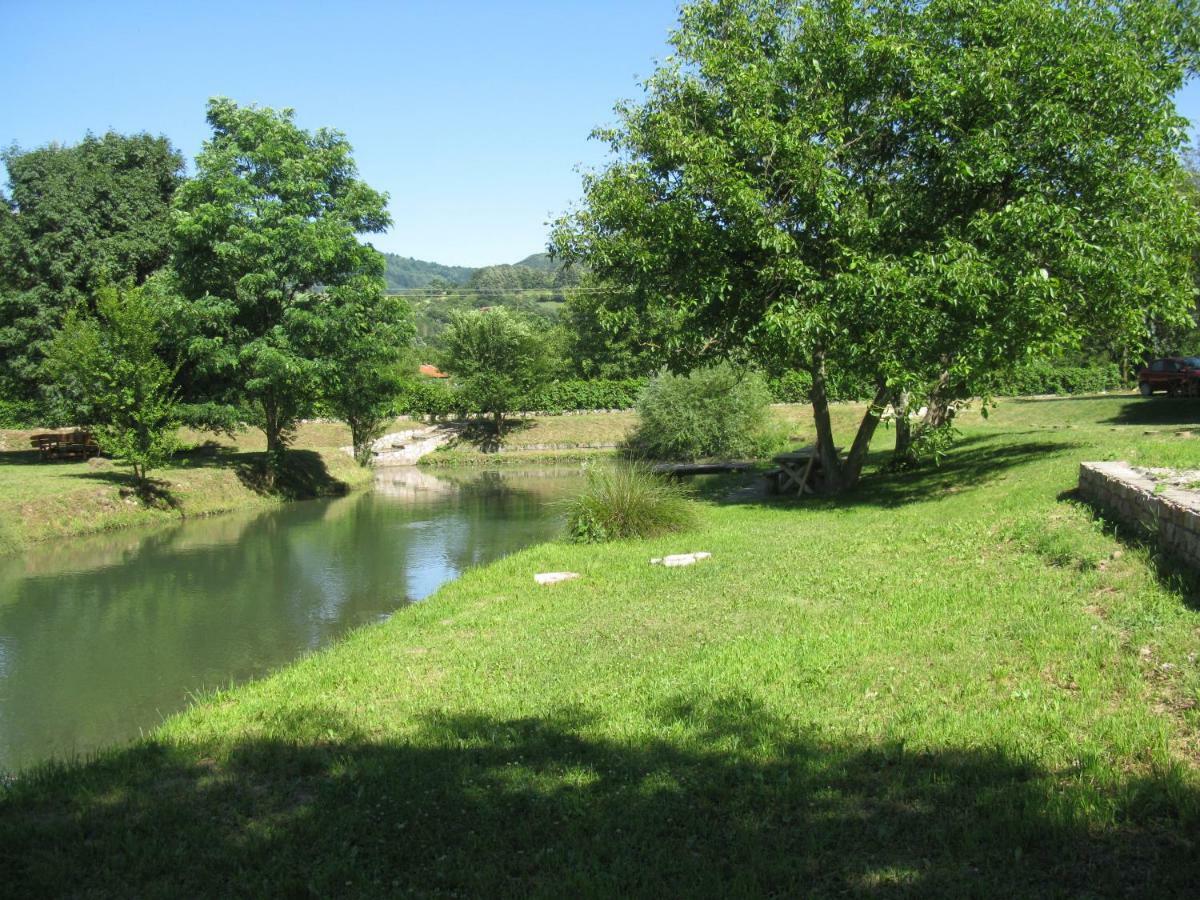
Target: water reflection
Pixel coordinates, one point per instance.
(101, 637)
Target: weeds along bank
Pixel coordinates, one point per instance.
(41, 501)
(954, 682)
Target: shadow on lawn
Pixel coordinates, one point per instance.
(974, 461)
(730, 801)
(1172, 573)
(1158, 411)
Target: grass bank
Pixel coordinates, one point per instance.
(42, 501)
(957, 682)
(539, 440)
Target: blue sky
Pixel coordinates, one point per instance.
(472, 115)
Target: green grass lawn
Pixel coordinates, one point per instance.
(956, 682)
(42, 501)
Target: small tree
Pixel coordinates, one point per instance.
(106, 370)
(497, 358)
(364, 335)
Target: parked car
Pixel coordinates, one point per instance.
(1173, 374)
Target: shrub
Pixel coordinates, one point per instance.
(19, 414)
(572, 395)
(627, 501)
(713, 412)
(419, 397)
(1043, 376)
(796, 387)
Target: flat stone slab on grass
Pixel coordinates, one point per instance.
(679, 559)
(554, 577)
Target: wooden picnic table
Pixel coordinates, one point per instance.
(799, 471)
(65, 444)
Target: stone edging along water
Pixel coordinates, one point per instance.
(1162, 504)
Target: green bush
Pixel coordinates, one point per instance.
(573, 395)
(421, 397)
(627, 501)
(796, 387)
(19, 414)
(1043, 376)
(716, 412)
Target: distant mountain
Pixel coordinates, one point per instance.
(540, 261)
(405, 272)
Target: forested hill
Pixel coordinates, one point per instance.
(406, 272)
(537, 271)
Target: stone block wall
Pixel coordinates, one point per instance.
(1170, 516)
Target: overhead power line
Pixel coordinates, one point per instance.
(500, 292)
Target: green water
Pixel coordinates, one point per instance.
(101, 637)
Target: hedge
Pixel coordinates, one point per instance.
(438, 398)
(19, 414)
(1045, 377)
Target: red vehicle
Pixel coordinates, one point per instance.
(1175, 374)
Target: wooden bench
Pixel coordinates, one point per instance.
(65, 444)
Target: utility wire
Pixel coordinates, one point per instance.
(498, 292)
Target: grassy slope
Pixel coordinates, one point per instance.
(572, 437)
(43, 501)
(956, 683)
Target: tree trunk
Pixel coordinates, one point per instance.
(852, 469)
(903, 454)
(841, 477)
(275, 445)
(826, 449)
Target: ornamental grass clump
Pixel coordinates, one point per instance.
(627, 502)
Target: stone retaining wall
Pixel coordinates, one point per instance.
(1169, 516)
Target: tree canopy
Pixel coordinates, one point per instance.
(265, 234)
(76, 217)
(914, 190)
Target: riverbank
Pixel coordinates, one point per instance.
(955, 682)
(43, 501)
(540, 440)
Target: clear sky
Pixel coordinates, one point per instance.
(472, 115)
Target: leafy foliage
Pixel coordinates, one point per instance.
(108, 372)
(627, 501)
(362, 335)
(1047, 377)
(265, 235)
(497, 358)
(913, 193)
(77, 217)
(716, 412)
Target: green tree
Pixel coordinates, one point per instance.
(914, 192)
(264, 235)
(108, 372)
(364, 336)
(76, 218)
(497, 358)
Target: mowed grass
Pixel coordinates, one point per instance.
(957, 682)
(42, 501)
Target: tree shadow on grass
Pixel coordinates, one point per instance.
(722, 799)
(1175, 575)
(973, 462)
(481, 433)
(304, 475)
(1158, 411)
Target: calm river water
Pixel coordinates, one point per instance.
(101, 637)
